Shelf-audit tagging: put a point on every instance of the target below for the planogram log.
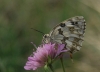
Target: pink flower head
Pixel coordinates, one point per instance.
(44, 54)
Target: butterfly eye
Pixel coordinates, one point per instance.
(62, 25)
(45, 36)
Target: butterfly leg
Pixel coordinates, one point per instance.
(34, 45)
(71, 57)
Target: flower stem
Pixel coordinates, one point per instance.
(46, 68)
(61, 59)
(51, 68)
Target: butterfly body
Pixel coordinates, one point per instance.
(69, 32)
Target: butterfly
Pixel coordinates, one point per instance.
(69, 32)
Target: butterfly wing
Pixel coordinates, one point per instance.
(69, 32)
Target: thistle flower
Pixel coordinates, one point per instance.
(44, 55)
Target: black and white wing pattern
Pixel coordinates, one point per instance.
(69, 32)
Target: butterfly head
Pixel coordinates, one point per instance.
(46, 38)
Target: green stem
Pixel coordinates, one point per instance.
(46, 68)
(51, 68)
(61, 59)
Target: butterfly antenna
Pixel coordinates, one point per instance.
(38, 31)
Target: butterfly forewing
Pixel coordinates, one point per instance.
(69, 32)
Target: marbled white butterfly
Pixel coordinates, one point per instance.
(69, 32)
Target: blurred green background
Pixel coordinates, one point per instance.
(18, 16)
